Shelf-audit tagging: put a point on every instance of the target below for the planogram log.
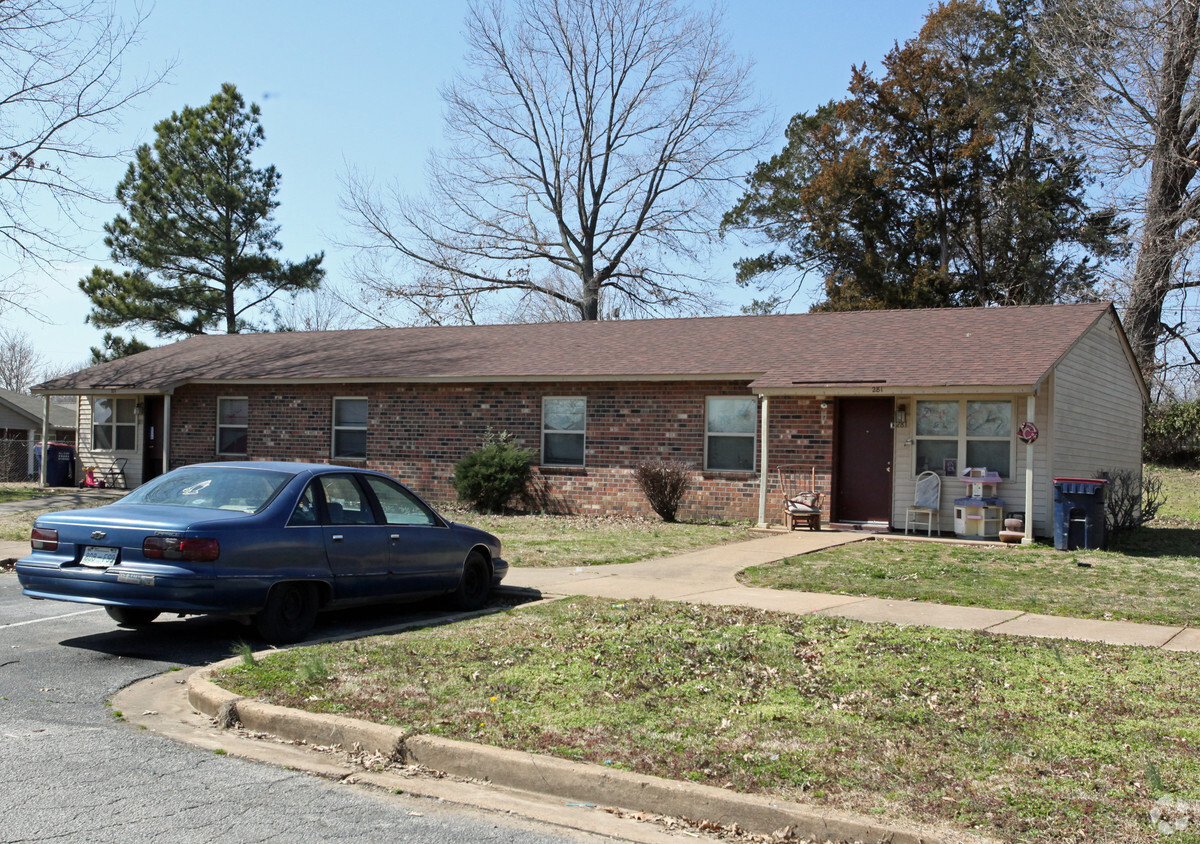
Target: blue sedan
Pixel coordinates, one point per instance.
(270, 542)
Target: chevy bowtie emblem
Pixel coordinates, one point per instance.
(98, 534)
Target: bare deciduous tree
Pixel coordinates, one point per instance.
(20, 362)
(60, 84)
(326, 309)
(591, 145)
(1131, 69)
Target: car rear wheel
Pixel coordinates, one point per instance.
(131, 616)
(475, 584)
(289, 614)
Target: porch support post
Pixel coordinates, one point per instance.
(30, 441)
(1030, 408)
(166, 434)
(762, 465)
(45, 440)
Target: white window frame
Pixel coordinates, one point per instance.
(336, 428)
(581, 432)
(113, 425)
(220, 427)
(751, 435)
(962, 437)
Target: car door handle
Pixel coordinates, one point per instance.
(395, 536)
(337, 537)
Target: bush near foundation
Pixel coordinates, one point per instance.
(664, 482)
(1131, 499)
(491, 476)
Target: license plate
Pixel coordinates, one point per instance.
(98, 556)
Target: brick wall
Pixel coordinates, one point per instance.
(418, 432)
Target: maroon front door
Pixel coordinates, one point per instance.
(152, 438)
(862, 483)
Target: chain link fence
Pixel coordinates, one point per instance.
(14, 461)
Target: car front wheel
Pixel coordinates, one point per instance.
(475, 584)
(289, 614)
(131, 616)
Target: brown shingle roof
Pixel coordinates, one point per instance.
(948, 347)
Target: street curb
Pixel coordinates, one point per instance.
(574, 781)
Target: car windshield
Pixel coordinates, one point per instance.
(213, 488)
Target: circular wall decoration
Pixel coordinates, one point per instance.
(1027, 433)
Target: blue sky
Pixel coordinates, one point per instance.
(358, 85)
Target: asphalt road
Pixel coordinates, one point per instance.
(72, 772)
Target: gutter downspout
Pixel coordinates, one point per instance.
(762, 467)
(45, 440)
(1030, 408)
(166, 434)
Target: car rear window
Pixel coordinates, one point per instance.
(212, 488)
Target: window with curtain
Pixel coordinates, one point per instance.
(233, 419)
(729, 433)
(956, 434)
(564, 430)
(114, 424)
(350, 428)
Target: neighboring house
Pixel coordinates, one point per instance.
(21, 430)
(863, 400)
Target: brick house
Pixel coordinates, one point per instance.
(863, 400)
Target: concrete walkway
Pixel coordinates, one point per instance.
(708, 576)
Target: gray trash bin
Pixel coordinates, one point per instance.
(1079, 513)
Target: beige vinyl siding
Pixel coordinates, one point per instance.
(11, 419)
(103, 460)
(1097, 408)
(1012, 491)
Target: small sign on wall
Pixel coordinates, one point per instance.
(1027, 433)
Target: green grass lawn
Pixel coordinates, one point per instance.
(21, 492)
(1182, 489)
(541, 541)
(1021, 739)
(1151, 574)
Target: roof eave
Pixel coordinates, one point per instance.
(483, 379)
(108, 390)
(883, 390)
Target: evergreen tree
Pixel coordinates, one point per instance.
(934, 185)
(198, 235)
(116, 347)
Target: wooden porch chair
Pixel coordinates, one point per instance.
(800, 506)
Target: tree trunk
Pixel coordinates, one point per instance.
(1171, 173)
(589, 308)
(1152, 278)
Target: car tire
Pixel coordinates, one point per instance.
(131, 616)
(475, 584)
(289, 614)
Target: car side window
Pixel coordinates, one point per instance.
(306, 509)
(400, 507)
(345, 501)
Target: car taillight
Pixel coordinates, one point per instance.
(190, 549)
(43, 539)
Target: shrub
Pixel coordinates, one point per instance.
(664, 482)
(1130, 499)
(1172, 434)
(489, 477)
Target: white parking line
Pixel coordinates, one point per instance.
(49, 618)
